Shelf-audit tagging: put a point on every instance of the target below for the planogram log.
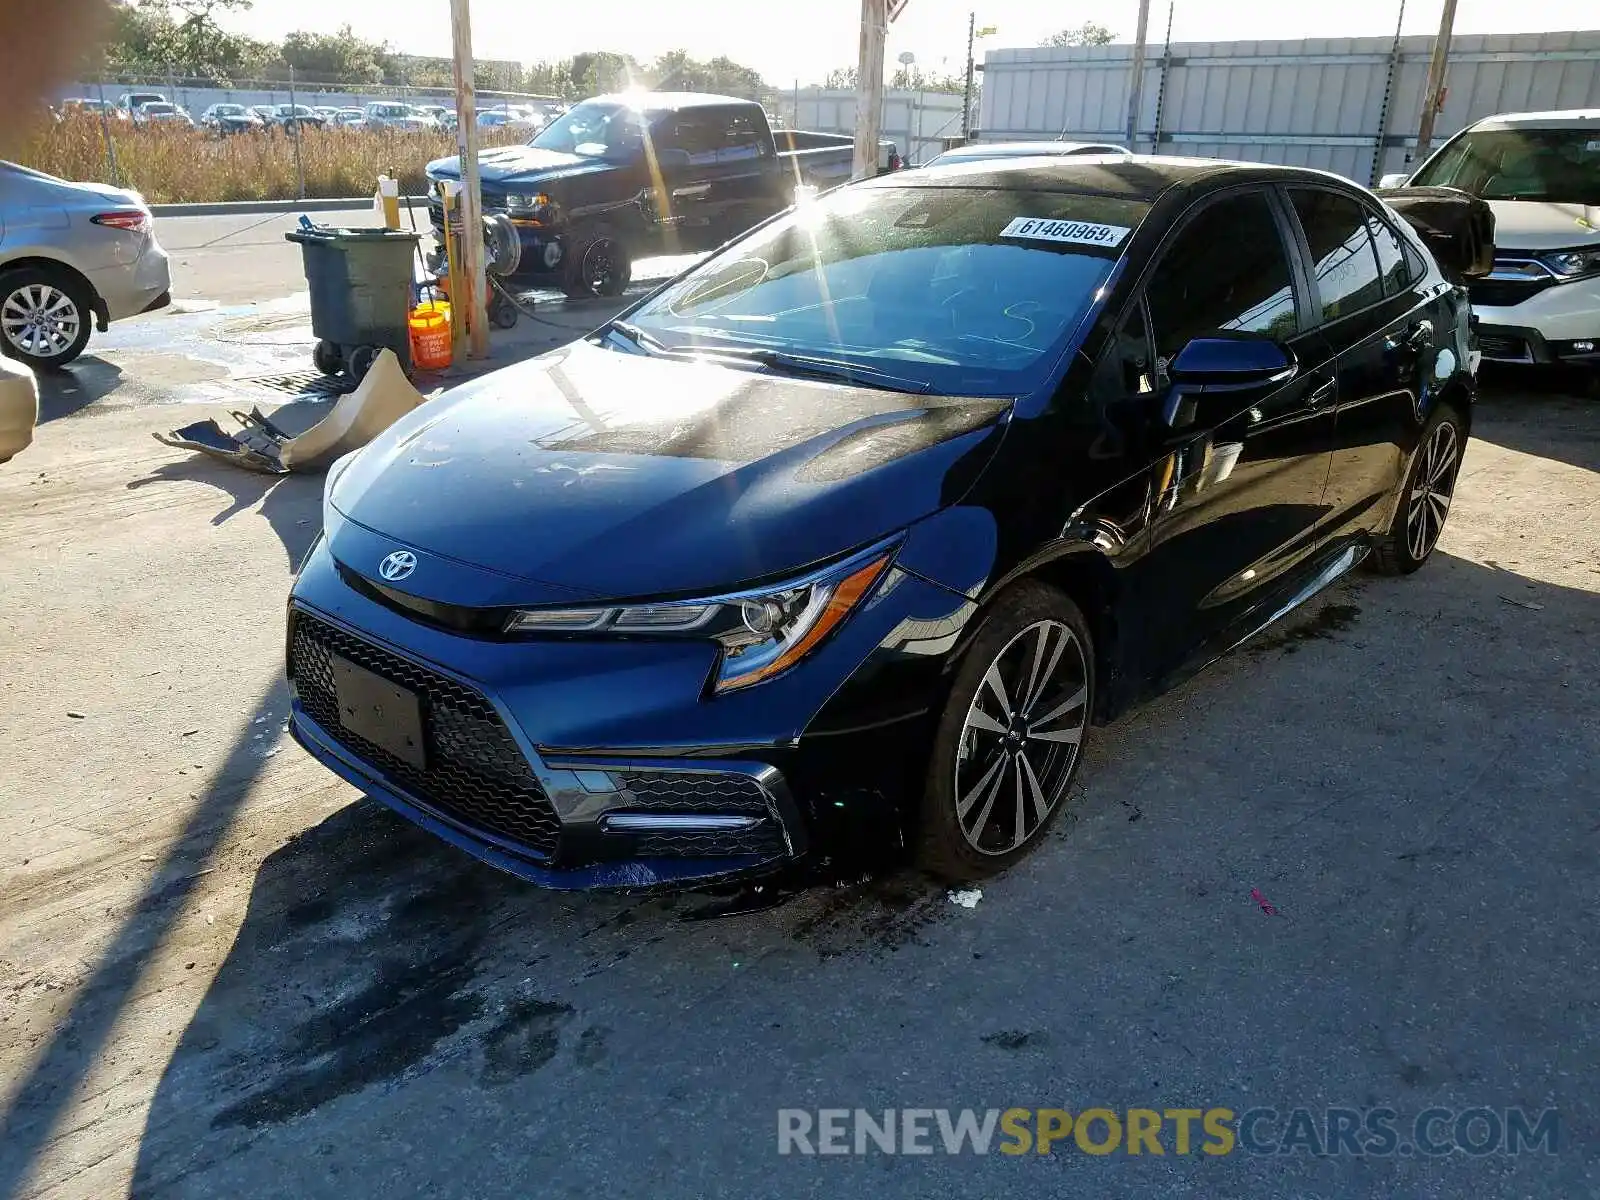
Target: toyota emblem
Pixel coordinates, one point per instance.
(398, 566)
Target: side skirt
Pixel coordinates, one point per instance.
(1343, 561)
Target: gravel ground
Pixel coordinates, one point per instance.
(224, 973)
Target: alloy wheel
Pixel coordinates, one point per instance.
(1021, 737)
(599, 265)
(1433, 486)
(40, 320)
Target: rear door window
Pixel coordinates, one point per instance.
(1393, 264)
(1344, 260)
(745, 137)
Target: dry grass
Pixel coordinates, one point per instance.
(172, 165)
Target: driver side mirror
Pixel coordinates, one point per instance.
(1220, 365)
(1398, 179)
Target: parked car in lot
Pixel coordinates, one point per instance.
(1540, 173)
(619, 177)
(862, 524)
(19, 408)
(230, 118)
(347, 118)
(267, 112)
(159, 112)
(132, 102)
(292, 118)
(389, 114)
(85, 104)
(72, 253)
(980, 151)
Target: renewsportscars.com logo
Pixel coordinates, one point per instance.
(1330, 1132)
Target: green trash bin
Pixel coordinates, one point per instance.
(361, 287)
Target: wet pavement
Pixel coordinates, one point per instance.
(238, 332)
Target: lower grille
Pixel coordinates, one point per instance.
(693, 791)
(765, 839)
(1504, 347)
(476, 773)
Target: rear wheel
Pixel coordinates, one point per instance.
(44, 316)
(1425, 496)
(1011, 736)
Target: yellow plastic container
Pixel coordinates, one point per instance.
(429, 325)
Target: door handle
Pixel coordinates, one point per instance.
(1322, 393)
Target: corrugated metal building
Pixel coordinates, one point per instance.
(915, 120)
(1349, 105)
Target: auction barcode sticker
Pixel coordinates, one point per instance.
(1078, 233)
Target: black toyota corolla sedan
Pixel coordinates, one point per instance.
(868, 520)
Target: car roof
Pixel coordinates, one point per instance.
(1021, 149)
(1132, 177)
(670, 101)
(1572, 118)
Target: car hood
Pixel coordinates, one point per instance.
(520, 164)
(595, 472)
(1542, 225)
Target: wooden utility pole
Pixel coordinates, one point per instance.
(869, 86)
(1433, 93)
(1136, 80)
(471, 203)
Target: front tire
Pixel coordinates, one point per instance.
(1010, 739)
(45, 316)
(1425, 496)
(600, 266)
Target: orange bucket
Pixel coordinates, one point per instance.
(429, 326)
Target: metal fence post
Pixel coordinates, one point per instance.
(1379, 150)
(105, 132)
(299, 132)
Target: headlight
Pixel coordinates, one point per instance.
(539, 208)
(1570, 264)
(762, 632)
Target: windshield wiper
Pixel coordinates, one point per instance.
(644, 341)
(821, 368)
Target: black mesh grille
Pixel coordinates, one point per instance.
(476, 774)
(765, 839)
(688, 791)
(1504, 346)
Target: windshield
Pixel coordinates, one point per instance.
(969, 291)
(1561, 166)
(594, 131)
(229, 110)
(159, 109)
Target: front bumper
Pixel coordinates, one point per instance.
(1550, 326)
(544, 248)
(594, 765)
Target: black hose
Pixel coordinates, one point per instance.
(526, 310)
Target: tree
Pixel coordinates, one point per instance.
(841, 78)
(1087, 34)
(596, 72)
(182, 37)
(914, 78)
(334, 57)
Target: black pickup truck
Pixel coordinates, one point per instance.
(621, 177)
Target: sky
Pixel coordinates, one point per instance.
(788, 48)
